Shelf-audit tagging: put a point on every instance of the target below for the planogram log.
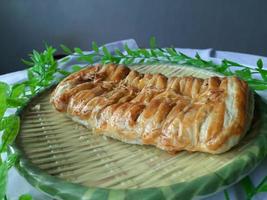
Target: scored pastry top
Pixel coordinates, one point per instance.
(175, 113)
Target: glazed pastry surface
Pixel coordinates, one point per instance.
(176, 113)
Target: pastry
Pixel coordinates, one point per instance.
(176, 113)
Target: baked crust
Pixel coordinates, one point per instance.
(177, 113)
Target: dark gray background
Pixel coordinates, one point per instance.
(239, 25)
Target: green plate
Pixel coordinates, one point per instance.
(66, 161)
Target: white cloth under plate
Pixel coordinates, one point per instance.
(17, 185)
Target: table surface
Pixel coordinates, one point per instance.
(17, 185)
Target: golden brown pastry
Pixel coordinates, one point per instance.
(173, 114)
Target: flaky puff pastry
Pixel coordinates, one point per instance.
(177, 113)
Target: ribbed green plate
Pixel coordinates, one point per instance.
(66, 161)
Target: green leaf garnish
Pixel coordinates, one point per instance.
(95, 47)
(106, 53)
(66, 49)
(17, 90)
(87, 58)
(12, 123)
(4, 167)
(118, 52)
(78, 51)
(129, 51)
(152, 42)
(3, 179)
(65, 59)
(4, 92)
(25, 197)
(76, 68)
(260, 64)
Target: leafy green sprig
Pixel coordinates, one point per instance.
(42, 71)
(170, 55)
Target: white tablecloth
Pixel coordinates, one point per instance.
(17, 185)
